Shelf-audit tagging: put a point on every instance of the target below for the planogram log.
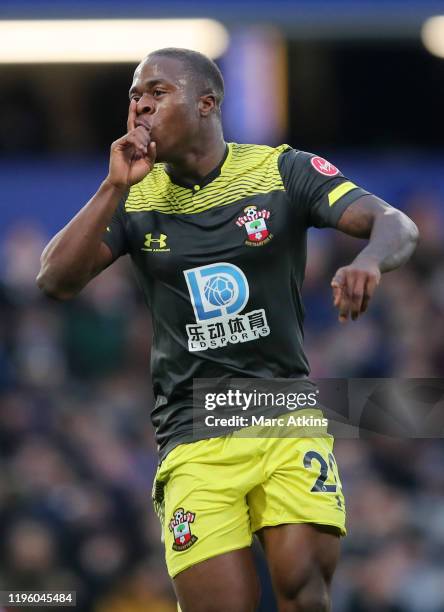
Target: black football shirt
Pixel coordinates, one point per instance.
(221, 266)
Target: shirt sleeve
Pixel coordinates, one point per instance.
(318, 190)
(115, 235)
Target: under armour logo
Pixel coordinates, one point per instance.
(155, 244)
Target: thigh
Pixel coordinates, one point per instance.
(302, 560)
(223, 583)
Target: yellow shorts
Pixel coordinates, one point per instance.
(212, 495)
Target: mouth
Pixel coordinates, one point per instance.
(144, 125)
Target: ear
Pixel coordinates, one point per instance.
(206, 104)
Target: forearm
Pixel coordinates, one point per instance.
(69, 260)
(393, 239)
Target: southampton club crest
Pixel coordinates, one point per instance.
(180, 526)
(254, 222)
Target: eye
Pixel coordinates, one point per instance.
(158, 92)
(134, 97)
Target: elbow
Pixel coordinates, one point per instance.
(414, 233)
(51, 288)
(409, 229)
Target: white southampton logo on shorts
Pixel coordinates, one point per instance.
(218, 293)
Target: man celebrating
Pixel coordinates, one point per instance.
(217, 235)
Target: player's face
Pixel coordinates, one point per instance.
(167, 105)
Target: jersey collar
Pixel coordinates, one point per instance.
(209, 178)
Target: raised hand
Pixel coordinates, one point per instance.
(132, 156)
(353, 287)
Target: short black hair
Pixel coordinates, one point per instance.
(205, 73)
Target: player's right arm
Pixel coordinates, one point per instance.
(76, 254)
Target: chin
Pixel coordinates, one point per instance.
(160, 156)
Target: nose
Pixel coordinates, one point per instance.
(146, 105)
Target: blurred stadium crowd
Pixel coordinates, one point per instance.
(77, 453)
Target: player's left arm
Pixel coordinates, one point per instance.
(392, 239)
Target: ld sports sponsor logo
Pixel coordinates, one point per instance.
(219, 292)
(323, 166)
(254, 222)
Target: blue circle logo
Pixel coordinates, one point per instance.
(219, 291)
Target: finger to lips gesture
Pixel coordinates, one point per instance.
(132, 156)
(353, 286)
(145, 148)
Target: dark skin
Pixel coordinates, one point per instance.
(392, 239)
(170, 121)
(301, 559)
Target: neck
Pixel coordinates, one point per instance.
(200, 159)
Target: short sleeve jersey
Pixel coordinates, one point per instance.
(221, 265)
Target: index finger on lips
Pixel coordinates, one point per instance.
(131, 123)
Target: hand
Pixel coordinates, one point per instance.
(132, 156)
(353, 286)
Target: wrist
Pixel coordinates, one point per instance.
(367, 260)
(118, 188)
